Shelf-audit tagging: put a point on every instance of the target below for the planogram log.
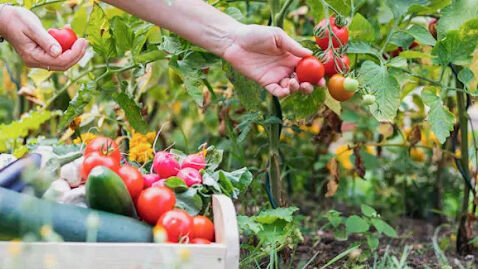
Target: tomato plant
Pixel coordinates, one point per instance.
(340, 34)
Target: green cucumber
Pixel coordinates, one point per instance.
(22, 214)
(106, 191)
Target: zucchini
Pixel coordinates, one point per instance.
(11, 174)
(106, 191)
(21, 214)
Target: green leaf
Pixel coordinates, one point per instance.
(213, 158)
(194, 89)
(356, 224)
(239, 179)
(402, 39)
(455, 15)
(334, 218)
(210, 181)
(361, 30)
(421, 34)
(340, 256)
(333, 104)
(140, 37)
(272, 215)
(171, 44)
(249, 93)
(367, 210)
(316, 9)
(342, 6)
(300, 106)
(176, 184)
(122, 34)
(132, 112)
(411, 54)
(465, 75)
(440, 118)
(82, 98)
(400, 7)
(235, 13)
(383, 227)
(397, 62)
(189, 201)
(149, 56)
(384, 86)
(98, 33)
(248, 225)
(372, 242)
(360, 47)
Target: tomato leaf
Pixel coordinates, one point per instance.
(122, 34)
(361, 30)
(98, 33)
(300, 106)
(421, 34)
(440, 118)
(410, 54)
(465, 75)
(455, 15)
(249, 93)
(400, 7)
(189, 201)
(82, 98)
(271, 215)
(360, 47)
(248, 225)
(132, 112)
(384, 86)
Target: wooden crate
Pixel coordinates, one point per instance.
(70, 255)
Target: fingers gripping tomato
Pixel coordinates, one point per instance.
(310, 69)
(337, 90)
(154, 202)
(203, 228)
(341, 34)
(65, 36)
(190, 176)
(178, 224)
(330, 65)
(106, 146)
(133, 179)
(165, 164)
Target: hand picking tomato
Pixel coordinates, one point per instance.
(200, 241)
(165, 164)
(330, 67)
(341, 32)
(195, 161)
(154, 202)
(132, 178)
(106, 146)
(309, 69)
(203, 228)
(190, 176)
(65, 36)
(149, 179)
(95, 159)
(337, 90)
(178, 224)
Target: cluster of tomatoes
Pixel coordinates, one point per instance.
(154, 201)
(331, 64)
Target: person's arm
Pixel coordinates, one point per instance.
(264, 54)
(24, 31)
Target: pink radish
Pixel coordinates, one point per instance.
(165, 164)
(159, 183)
(190, 176)
(149, 179)
(195, 161)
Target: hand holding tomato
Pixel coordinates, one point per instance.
(66, 37)
(24, 31)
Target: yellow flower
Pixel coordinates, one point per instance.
(343, 154)
(140, 152)
(86, 137)
(417, 155)
(151, 136)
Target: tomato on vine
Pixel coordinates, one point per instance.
(330, 67)
(65, 36)
(340, 35)
(351, 84)
(105, 146)
(309, 69)
(337, 89)
(368, 99)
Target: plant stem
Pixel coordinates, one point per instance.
(47, 3)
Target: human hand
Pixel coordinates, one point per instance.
(269, 56)
(24, 31)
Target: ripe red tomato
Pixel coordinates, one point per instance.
(190, 176)
(200, 241)
(203, 228)
(106, 146)
(337, 90)
(329, 64)
(195, 161)
(165, 164)
(309, 69)
(95, 159)
(65, 36)
(178, 223)
(133, 179)
(154, 202)
(342, 34)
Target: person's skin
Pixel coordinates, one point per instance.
(24, 31)
(265, 54)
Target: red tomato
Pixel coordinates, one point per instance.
(195, 161)
(329, 64)
(178, 223)
(190, 176)
(133, 179)
(200, 241)
(95, 159)
(203, 228)
(104, 145)
(165, 164)
(342, 34)
(309, 69)
(154, 202)
(66, 37)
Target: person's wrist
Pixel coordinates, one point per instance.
(227, 37)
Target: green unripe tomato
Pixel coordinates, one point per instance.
(368, 99)
(350, 84)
